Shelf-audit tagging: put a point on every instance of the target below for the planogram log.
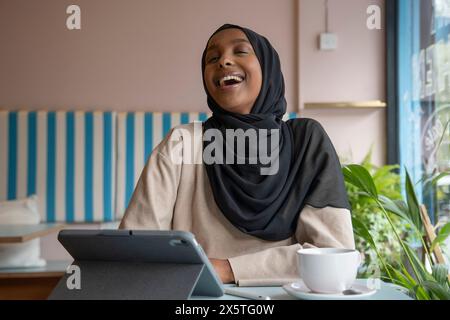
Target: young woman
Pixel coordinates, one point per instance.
(249, 224)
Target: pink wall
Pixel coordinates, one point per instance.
(353, 72)
(145, 55)
(128, 55)
(354, 132)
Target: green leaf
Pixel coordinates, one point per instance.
(361, 230)
(400, 209)
(385, 171)
(404, 279)
(417, 264)
(401, 279)
(437, 290)
(440, 274)
(413, 204)
(387, 181)
(418, 291)
(442, 235)
(394, 207)
(359, 176)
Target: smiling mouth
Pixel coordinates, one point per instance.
(229, 80)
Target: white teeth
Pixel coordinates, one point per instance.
(237, 78)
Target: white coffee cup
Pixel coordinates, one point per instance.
(328, 270)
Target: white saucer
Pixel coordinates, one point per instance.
(301, 291)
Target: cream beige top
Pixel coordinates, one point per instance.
(171, 196)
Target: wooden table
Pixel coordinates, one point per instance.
(29, 283)
(15, 233)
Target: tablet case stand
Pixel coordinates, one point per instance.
(113, 280)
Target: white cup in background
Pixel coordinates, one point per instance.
(328, 270)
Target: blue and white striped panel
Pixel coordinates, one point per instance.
(137, 134)
(66, 158)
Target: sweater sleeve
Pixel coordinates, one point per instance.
(316, 227)
(153, 200)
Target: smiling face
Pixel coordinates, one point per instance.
(232, 72)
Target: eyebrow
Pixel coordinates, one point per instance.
(214, 46)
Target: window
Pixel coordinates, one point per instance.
(423, 98)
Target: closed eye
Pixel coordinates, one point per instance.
(213, 59)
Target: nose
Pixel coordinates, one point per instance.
(225, 61)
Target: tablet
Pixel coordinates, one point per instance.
(175, 248)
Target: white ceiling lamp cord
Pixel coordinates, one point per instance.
(326, 16)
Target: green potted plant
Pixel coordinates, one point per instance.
(364, 209)
(411, 272)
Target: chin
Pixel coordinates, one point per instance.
(233, 106)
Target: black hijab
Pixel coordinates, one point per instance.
(268, 206)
